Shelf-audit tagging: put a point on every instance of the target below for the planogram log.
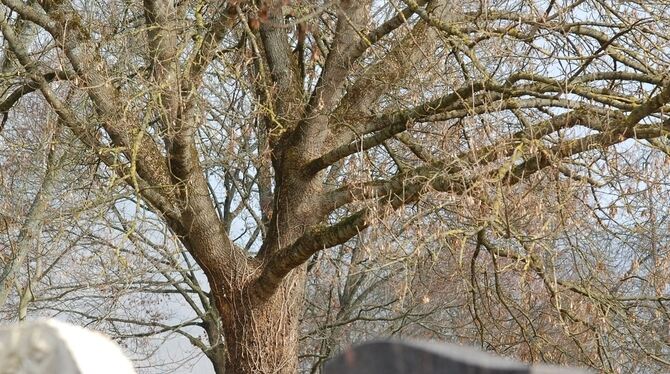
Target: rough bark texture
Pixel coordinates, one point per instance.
(262, 332)
(262, 337)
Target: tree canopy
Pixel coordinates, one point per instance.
(491, 172)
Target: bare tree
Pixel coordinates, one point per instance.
(84, 254)
(338, 116)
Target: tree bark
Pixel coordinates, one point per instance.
(263, 337)
(218, 358)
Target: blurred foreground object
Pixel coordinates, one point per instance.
(393, 357)
(50, 346)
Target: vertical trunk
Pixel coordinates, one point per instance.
(263, 338)
(218, 358)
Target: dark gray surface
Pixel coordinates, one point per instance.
(394, 357)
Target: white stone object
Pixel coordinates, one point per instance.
(50, 346)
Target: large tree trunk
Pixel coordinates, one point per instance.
(263, 337)
(262, 333)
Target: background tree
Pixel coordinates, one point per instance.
(342, 116)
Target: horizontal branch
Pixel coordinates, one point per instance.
(581, 145)
(590, 118)
(319, 237)
(30, 87)
(444, 177)
(494, 98)
(390, 124)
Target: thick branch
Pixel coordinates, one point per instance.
(28, 88)
(162, 40)
(287, 101)
(83, 132)
(391, 124)
(406, 188)
(352, 16)
(89, 68)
